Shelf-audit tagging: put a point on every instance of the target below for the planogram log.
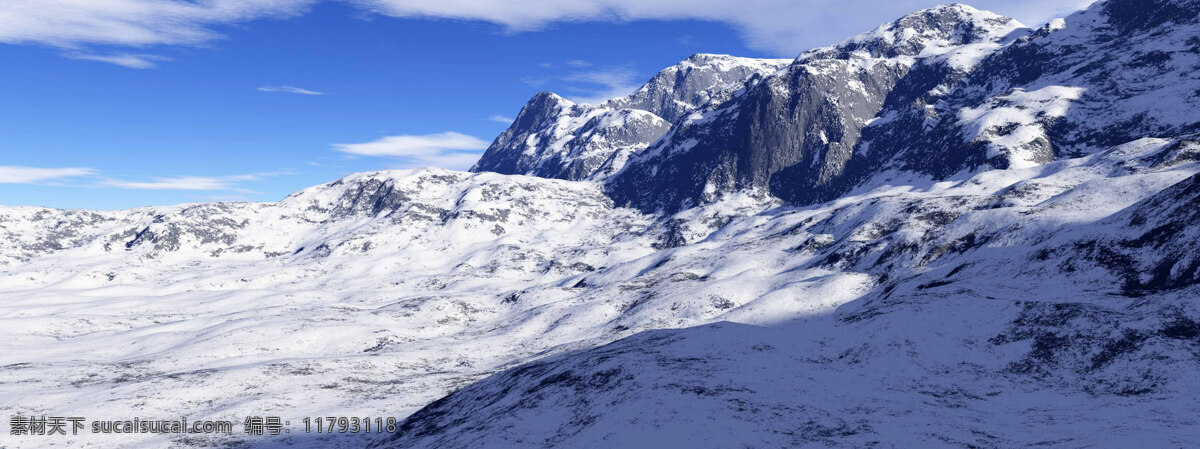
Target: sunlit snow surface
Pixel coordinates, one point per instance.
(379, 293)
(1014, 310)
(1047, 303)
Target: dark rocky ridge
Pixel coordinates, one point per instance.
(796, 133)
(553, 137)
(1108, 75)
(696, 81)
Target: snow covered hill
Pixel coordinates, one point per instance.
(336, 300)
(1025, 307)
(951, 231)
(379, 293)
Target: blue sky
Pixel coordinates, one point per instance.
(106, 107)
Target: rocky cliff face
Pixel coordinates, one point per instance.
(554, 137)
(988, 309)
(694, 83)
(938, 92)
(794, 133)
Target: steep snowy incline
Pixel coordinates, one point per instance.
(379, 293)
(553, 137)
(998, 313)
(923, 380)
(1104, 76)
(939, 92)
(794, 133)
(701, 79)
(960, 31)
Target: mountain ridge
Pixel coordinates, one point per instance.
(554, 137)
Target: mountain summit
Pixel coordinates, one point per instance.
(554, 137)
(939, 92)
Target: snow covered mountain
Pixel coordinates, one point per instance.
(553, 137)
(1012, 308)
(796, 133)
(951, 231)
(1028, 247)
(339, 299)
(938, 92)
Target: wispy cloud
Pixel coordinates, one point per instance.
(220, 198)
(601, 85)
(534, 81)
(500, 119)
(29, 175)
(131, 23)
(578, 63)
(592, 86)
(450, 161)
(783, 27)
(174, 183)
(38, 175)
(290, 90)
(205, 183)
(447, 150)
(131, 60)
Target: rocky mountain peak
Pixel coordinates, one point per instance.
(923, 33)
(540, 107)
(694, 82)
(556, 138)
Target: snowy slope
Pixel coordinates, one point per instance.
(937, 92)
(799, 132)
(333, 301)
(381, 292)
(1013, 308)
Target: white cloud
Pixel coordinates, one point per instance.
(451, 161)
(578, 63)
(31, 175)
(290, 90)
(535, 82)
(447, 150)
(131, 60)
(75, 23)
(28, 175)
(500, 119)
(414, 145)
(174, 183)
(602, 85)
(782, 27)
(594, 86)
(229, 182)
